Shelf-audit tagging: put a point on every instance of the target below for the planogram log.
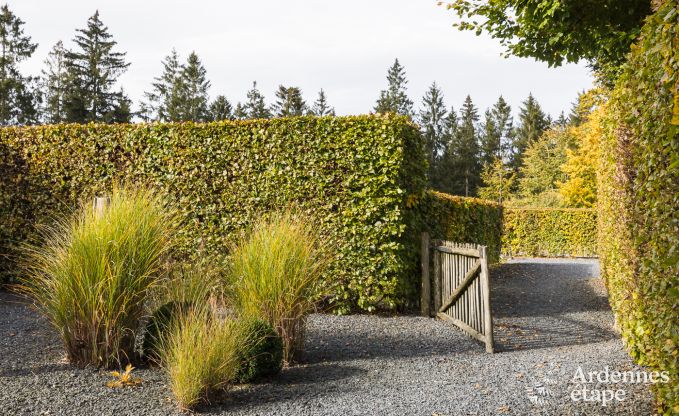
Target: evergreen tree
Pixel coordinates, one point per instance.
(490, 135)
(541, 170)
(163, 99)
(504, 122)
(321, 107)
(122, 108)
(220, 109)
(55, 80)
(532, 123)
(464, 167)
(433, 122)
(18, 95)
(240, 113)
(94, 69)
(395, 99)
(193, 85)
(442, 180)
(255, 106)
(289, 102)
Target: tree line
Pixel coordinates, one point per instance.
(471, 153)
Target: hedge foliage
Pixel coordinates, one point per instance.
(550, 232)
(353, 175)
(462, 220)
(638, 182)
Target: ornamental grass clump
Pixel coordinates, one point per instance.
(92, 275)
(200, 354)
(276, 276)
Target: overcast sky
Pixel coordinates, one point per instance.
(344, 47)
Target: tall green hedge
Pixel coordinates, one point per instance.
(550, 232)
(638, 182)
(463, 220)
(353, 175)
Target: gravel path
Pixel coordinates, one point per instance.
(551, 317)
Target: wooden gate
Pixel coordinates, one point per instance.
(461, 287)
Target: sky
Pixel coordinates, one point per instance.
(344, 47)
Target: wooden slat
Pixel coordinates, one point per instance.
(437, 280)
(458, 250)
(468, 278)
(425, 298)
(466, 328)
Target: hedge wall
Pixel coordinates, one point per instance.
(549, 232)
(638, 182)
(353, 175)
(463, 220)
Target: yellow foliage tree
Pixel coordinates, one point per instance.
(579, 190)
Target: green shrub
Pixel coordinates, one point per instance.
(550, 232)
(276, 276)
(262, 355)
(200, 355)
(352, 175)
(92, 276)
(460, 219)
(638, 183)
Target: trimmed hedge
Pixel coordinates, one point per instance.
(638, 182)
(353, 175)
(463, 220)
(550, 232)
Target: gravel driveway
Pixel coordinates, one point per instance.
(551, 317)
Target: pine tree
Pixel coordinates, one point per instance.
(240, 113)
(320, 107)
(442, 180)
(18, 96)
(491, 136)
(255, 106)
(532, 123)
(163, 99)
(433, 122)
(94, 69)
(466, 165)
(220, 109)
(289, 102)
(192, 91)
(122, 108)
(504, 122)
(55, 82)
(395, 98)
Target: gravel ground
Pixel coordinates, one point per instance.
(551, 317)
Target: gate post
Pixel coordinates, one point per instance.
(100, 205)
(485, 284)
(425, 294)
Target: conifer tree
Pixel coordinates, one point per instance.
(163, 100)
(321, 107)
(94, 69)
(193, 89)
(55, 82)
(490, 135)
(532, 123)
(442, 179)
(289, 102)
(433, 122)
(240, 113)
(462, 167)
(220, 109)
(504, 122)
(395, 98)
(541, 170)
(18, 95)
(255, 106)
